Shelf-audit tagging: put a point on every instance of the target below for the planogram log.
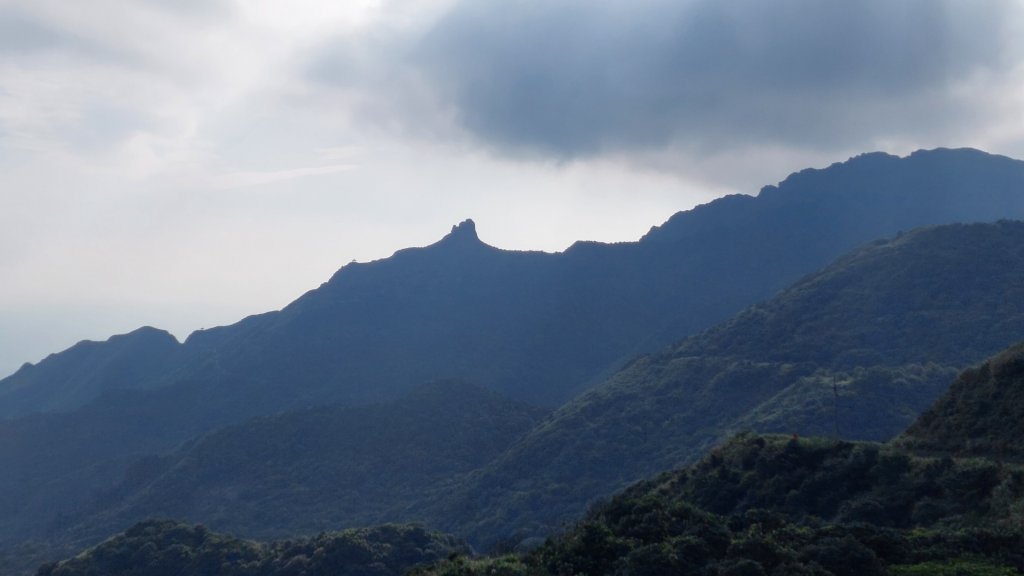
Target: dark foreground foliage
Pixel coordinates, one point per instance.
(159, 548)
(982, 413)
(786, 506)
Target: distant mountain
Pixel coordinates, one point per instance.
(80, 374)
(543, 327)
(537, 327)
(320, 469)
(863, 346)
(981, 413)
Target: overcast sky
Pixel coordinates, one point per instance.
(184, 163)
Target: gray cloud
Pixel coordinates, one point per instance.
(573, 78)
(196, 10)
(19, 33)
(23, 34)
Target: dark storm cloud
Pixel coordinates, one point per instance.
(573, 77)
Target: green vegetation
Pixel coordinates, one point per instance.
(537, 327)
(856, 350)
(889, 326)
(165, 548)
(949, 293)
(755, 505)
(777, 505)
(952, 568)
(322, 469)
(458, 459)
(980, 414)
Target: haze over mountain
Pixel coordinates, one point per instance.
(889, 324)
(181, 164)
(68, 380)
(537, 327)
(283, 175)
(542, 327)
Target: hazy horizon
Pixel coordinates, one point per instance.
(185, 164)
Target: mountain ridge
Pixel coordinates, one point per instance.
(535, 326)
(663, 409)
(779, 213)
(66, 380)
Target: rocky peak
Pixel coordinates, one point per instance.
(465, 231)
(462, 235)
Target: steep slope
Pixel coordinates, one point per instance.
(65, 381)
(981, 413)
(863, 346)
(320, 469)
(538, 327)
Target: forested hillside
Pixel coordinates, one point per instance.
(319, 469)
(761, 505)
(165, 548)
(788, 505)
(980, 414)
(860, 348)
(755, 505)
(542, 328)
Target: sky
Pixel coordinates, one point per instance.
(185, 163)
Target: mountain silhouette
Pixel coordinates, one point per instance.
(543, 327)
(536, 327)
(860, 348)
